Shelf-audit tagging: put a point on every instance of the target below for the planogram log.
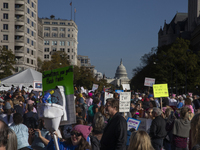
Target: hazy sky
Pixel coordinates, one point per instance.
(109, 30)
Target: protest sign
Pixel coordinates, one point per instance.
(133, 123)
(149, 81)
(124, 101)
(119, 91)
(37, 86)
(95, 87)
(126, 86)
(106, 96)
(62, 77)
(160, 90)
(145, 124)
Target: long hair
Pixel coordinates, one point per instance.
(83, 145)
(140, 140)
(195, 130)
(98, 122)
(12, 140)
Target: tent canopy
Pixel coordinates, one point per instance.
(26, 77)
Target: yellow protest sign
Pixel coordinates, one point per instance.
(160, 90)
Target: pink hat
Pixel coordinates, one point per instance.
(85, 130)
(173, 95)
(30, 101)
(90, 94)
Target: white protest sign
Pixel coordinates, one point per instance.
(95, 87)
(124, 101)
(145, 124)
(126, 86)
(107, 95)
(149, 82)
(82, 90)
(133, 123)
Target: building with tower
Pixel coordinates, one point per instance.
(120, 76)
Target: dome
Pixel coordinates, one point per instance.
(121, 71)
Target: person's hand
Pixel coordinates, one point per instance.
(39, 132)
(2, 110)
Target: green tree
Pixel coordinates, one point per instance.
(7, 62)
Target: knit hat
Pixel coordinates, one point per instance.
(85, 130)
(90, 94)
(7, 105)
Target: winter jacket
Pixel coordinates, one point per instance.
(115, 134)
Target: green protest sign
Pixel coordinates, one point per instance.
(61, 76)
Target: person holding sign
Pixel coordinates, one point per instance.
(115, 133)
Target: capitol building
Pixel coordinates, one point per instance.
(120, 76)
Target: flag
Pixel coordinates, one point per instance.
(70, 4)
(75, 10)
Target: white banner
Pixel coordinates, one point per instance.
(106, 96)
(95, 87)
(124, 101)
(149, 81)
(126, 86)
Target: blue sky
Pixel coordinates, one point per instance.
(109, 30)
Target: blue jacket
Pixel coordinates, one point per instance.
(21, 132)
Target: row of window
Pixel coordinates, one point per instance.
(61, 49)
(32, 4)
(29, 31)
(30, 51)
(28, 21)
(56, 35)
(62, 43)
(32, 13)
(47, 57)
(29, 60)
(56, 29)
(32, 42)
(61, 23)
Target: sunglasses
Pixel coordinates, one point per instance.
(76, 134)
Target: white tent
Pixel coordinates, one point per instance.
(26, 78)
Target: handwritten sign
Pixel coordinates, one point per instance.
(95, 87)
(124, 101)
(160, 90)
(126, 86)
(133, 123)
(149, 81)
(106, 96)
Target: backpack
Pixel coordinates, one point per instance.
(31, 122)
(90, 111)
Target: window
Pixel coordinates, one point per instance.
(46, 34)
(62, 29)
(54, 29)
(28, 20)
(46, 56)
(32, 52)
(72, 43)
(54, 42)
(46, 49)
(17, 16)
(5, 46)
(5, 26)
(46, 42)
(54, 49)
(54, 22)
(32, 43)
(54, 35)
(68, 35)
(28, 1)
(28, 30)
(32, 14)
(17, 37)
(5, 16)
(28, 11)
(62, 35)
(32, 62)
(68, 29)
(62, 23)
(68, 50)
(32, 24)
(68, 56)
(68, 23)
(72, 56)
(17, 6)
(46, 22)
(72, 35)
(27, 50)
(5, 37)
(68, 43)
(62, 43)
(46, 28)
(72, 50)
(32, 4)
(27, 60)
(62, 49)
(27, 40)
(5, 5)
(32, 33)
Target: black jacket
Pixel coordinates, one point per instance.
(158, 128)
(115, 134)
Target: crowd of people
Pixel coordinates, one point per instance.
(175, 123)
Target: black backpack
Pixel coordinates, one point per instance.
(31, 122)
